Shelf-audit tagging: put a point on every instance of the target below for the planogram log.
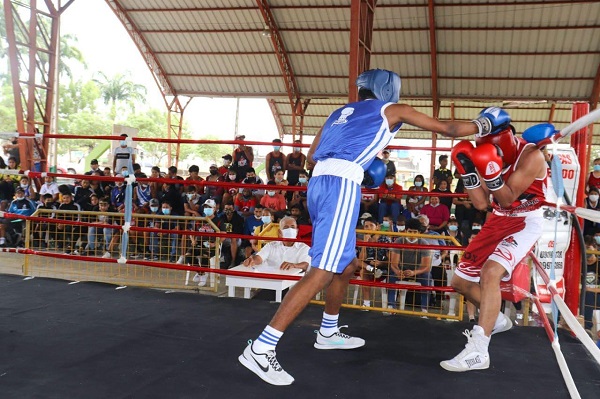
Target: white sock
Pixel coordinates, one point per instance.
(267, 340)
(479, 334)
(329, 324)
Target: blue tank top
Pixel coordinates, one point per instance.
(355, 133)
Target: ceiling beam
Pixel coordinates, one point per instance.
(595, 96)
(362, 13)
(433, 55)
(276, 116)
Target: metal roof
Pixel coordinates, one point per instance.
(533, 57)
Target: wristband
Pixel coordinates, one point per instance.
(484, 126)
(471, 180)
(495, 184)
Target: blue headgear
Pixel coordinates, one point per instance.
(384, 84)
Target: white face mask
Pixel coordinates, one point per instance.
(271, 193)
(418, 183)
(208, 211)
(154, 209)
(434, 205)
(389, 182)
(412, 240)
(594, 197)
(289, 233)
(302, 180)
(266, 219)
(401, 228)
(476, 228)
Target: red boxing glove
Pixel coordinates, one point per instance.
(488, 161)
(461, 157)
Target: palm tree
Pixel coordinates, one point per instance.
(119, 88)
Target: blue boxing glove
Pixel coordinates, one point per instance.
(491, 120)
(539, 132)
(375, 174)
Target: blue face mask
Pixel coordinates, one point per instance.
(596, 168)
(418, 183)
(276, 147)
(123, 143)
(154, 209)
(386, 224)
(266, 219)
(166, 211)
(209, 212)
(597, 239)
(302, 180)
(453, 227)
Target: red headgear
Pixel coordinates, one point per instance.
(506, 140)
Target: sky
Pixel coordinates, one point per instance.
(107, 47)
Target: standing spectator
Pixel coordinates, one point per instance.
(172, 174)
(442, 187)
(12, 149)
(591, 202)
(389, 164)
(438, 214)
(419, 186)
(442, 173)
(242, 157)
(49, 187)
(295, 162)
(155, 187)
(390, 200)
(194, 170)
(593, 179)
(94, 166)
(124, 156)
(275, 161)
(227, 160)
(463, 207)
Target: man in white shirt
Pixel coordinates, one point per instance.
(123, 155)
(284, 254)
(50, 187)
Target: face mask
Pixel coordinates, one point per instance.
(24, 185)
(257, 217)
(434, 205)
(154, 209)
(418, 183)
(596, 168)
(276, 147)
(123, 143)
(48, 204)
(120, 184)
(125, 173)
(144, 186)
(209, 211)
(296, 149)
(389, 182)
(476, 228)
(597, 239)
(166, 211)
(213, 172)
(401, 228)
(594, 197)
(250, 179)
(289, 233)
(302, 180)
(278, 180)
(266, 219)
(411, 240)
(226, 163)
(453, 227)
(190, 196)
(232, 177)
(271, 193)
(385, 223)
(49, 183)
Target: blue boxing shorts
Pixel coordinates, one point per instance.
(333, 205)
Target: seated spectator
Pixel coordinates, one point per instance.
(67, 235)
(83, 193)
(193, 171)
(284, 255)
(442, 187)
(96, 186)
(299, 197)
(250, 224)
(171, 225)
(419, 187)
(14, 228)
(142, 194)
(7, 191)
(268, 228)
(117, 196)
(171, 194)
(172, 174)
(280, 181)
(227, 160)
(390, 199)
(438, 215)
(103, 217)
(273, 200)
(592, 282)
(463, 207)
(137, 170)
(300, 216)
(231, 222)
(152, 238)
(410, 264)
(41, 229)
(388, 224)
(155, 187)
(192, 202)
(245, 203)
(25, 184)
(213, 192)
(49, 187)
(374, 261)
(453, 230)
(436, 259)
(252, 178)
(369, 203)
(231, 177)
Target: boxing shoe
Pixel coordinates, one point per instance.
(503, 323)
(475, 356)
(265, 365)
(338, 340)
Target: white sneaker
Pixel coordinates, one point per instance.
(106, 255)
(180, 260)
(338, 340)
(201, 279)
(265, 365)
(505, 325)
(76, 252)
(196, 278)
(473, 357)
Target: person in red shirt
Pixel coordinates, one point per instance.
(593, 179)
(273, 199)
(438, 215)
(245, 203)
(390, 201)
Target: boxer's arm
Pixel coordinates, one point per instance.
(531, 165)
(313, 147)
(398, 113)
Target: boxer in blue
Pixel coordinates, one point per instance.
(342, 151)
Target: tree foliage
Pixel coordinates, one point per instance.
(119, 89)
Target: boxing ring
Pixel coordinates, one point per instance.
(74, 338)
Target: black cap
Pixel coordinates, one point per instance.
(227, 156)
(94, 162)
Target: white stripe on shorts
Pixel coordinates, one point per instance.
(335, 248)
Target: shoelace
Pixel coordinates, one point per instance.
(341, 334)
(273, 361)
